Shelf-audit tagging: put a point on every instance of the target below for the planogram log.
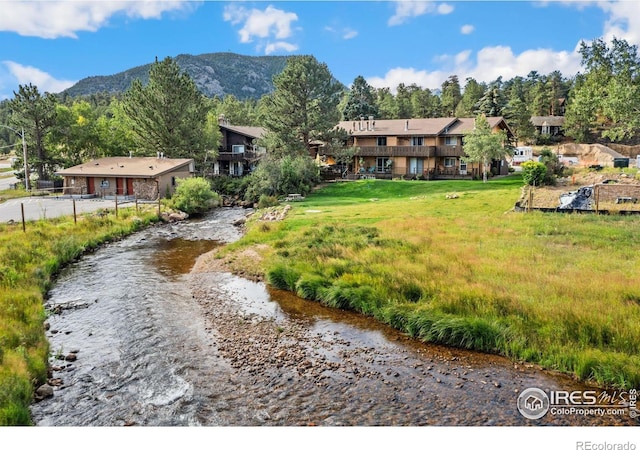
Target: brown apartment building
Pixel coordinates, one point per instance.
(427, 148)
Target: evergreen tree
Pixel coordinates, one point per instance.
(492, 101)
(169, 114)
(607, 96)
(424, 104)
(473, 92)
(360, 100)
(450, 96)
(403, 101)
(303, 107)
(386, 103)
(35, 114)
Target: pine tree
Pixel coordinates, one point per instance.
(169, 114)
(361, 100)
(303, 107)
(35, 114)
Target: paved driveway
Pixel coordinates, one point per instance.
(6, 181)
(36, 208)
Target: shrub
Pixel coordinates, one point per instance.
(281, 176)
(267, 201)
(533, 173)
(194, 196)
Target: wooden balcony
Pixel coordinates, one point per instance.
(230, 156)
(412, 151)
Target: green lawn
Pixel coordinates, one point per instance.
(560, 290)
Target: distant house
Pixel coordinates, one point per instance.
(142, 177)
(238, 152)
(548, 125)
(428, 148)
(521, 154)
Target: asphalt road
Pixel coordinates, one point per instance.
(36, 208)
(6, 182)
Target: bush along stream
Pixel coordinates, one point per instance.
(155, 330)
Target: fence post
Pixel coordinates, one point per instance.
(24, 228)
(158, 204)
(530, 202)
(75, 218)
(116, 196)
(597, 195)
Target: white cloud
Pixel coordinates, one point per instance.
(273, 47)
(260, 24)
(408, 76)
(349, 33)
(489, 64)
(467, 29)
(444, 9)
(406, 9)
(54, 19)
(27, 74)
(345, 33)
(623, 22)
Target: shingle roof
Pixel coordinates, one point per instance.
(254, 132)
(122, 166)
(397, 127)
(466, 124)
(414, 127)
(552, 121)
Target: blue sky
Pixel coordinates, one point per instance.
(53, 44)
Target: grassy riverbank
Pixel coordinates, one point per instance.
(28, 260)
(554, 289)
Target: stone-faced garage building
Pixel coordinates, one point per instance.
(143, 177)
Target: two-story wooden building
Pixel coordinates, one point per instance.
(427, 148)
(238, 152)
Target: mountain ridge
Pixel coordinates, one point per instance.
(215, 74)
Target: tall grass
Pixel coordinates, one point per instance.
(28, 261)
(559, 290)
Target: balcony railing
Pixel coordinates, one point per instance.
(416, 151)
(230, 156)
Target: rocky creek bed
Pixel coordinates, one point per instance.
(143, 334)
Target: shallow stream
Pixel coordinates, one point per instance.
(137, 338)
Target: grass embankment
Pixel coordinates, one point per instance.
(559, 290)
(28, 260)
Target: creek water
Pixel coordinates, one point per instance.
(154, 343)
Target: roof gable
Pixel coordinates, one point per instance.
(122, 166)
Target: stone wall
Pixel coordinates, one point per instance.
(145, 189)
(77, 187)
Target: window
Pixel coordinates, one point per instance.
(463, 167)
(104, 184)
(381, 141)
(382, 164)
(416, 166)
(417, 140)
(237, 149)
(450, 162)
(451, 140)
